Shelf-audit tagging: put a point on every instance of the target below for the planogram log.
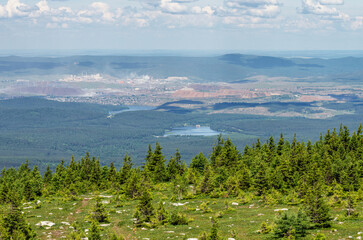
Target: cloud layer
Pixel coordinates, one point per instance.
(184, 13)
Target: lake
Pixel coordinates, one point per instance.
(191, 131)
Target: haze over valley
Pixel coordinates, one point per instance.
(241, 96)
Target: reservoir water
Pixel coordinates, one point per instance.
(191, 131)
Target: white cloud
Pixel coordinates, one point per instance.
(332, 2)
(256, 8)
(268, 11)
(3, 12)
(357, 23)
(43, 6)
(203, 10)
(315, 7)
(185, 13)
(172, 7)
(104, 9)
(250, 3)
(14, 8)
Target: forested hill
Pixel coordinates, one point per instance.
(317, 176)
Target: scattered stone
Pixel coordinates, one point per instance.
(340, 222)
(50, 213)
(45, 223)
(282, 209)
(231, 239)
(74, 204)
(86, 230)
(65, 223)
(106, 196)
(359, 233)
(260, 214)
(350, 237)
(192, 239)
(169, 232)
(235, 204)
(38, 201)
(183, 234)
(39, 216)
(105, 225)
(179, 204)
(359, 237)
(250, 206)
(60, 208)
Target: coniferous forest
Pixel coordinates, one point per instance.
(276, 189)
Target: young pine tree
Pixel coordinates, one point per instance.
(145, 211)
(317, 208)
(126, 169)
(95, 231)
(162, 214)
(13, 224)
(214, 231)
(99, 213)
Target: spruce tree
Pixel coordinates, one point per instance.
(162, 214)
(261, 180)
(99, 213)
(126, 169)
(95, 232)
(133, 184)
(172, 169)
(13, 224)
(155, 164)
(199, 162)
(47, 178)
(317, 208)
(214, 230)
(145, 211)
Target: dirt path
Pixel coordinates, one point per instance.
(56, 234)
(71, 217)
(84, 204)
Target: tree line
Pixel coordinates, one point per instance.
(316, 174)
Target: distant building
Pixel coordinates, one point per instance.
(197, 126)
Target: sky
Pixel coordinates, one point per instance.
(274, 25)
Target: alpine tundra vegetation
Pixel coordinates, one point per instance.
(273, 190)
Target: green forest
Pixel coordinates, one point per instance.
(276, 189)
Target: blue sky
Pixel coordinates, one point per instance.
(182, 24)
